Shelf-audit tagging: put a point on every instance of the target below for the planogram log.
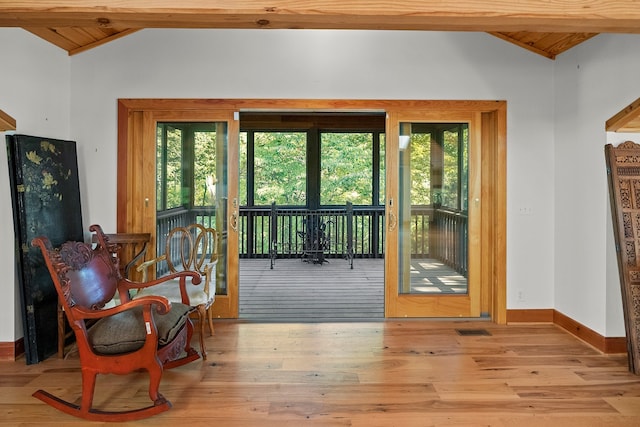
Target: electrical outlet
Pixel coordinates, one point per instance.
(520, 296)
(525, 210)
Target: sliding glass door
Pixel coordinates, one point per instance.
(438, 186)
(182, 168)
(435, 166)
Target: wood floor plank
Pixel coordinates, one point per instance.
(389, 373)
(625, 405)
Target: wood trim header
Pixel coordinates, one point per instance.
(304, 105)
(604, 16)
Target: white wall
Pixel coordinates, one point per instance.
(35, 91)
(556, 255)
(560, 256)
(594, 81)
(336, 64)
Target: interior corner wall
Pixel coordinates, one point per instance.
(593, 82)
(35, 91)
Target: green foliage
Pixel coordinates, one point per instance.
(381, 196)
(454, 168)
(347, 168)
(204, 169)
(243, 169)
(280, 168)
(454, 183)
(186, 160)
(420, 168)
(169, 167)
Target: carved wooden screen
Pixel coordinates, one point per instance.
(623, 171)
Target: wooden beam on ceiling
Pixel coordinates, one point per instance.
(75, 40)
(581, 16)
(626, 120)
(6, 122)
(545, 44)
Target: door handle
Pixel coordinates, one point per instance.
(393, 220)
(233, 221)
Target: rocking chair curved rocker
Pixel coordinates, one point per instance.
(144, 334)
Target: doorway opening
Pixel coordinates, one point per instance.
(311, 199)
(311, 194)
(138, 120)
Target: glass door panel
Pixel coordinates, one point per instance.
(432, 208)
(191, 171)
(196, 168)
(430, 276)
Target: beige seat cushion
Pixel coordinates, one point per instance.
(126, 332)
(171, 290)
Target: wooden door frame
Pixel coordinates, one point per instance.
(134, 115)
(399, 303)
(136, 198)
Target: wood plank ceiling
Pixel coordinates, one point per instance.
(75, 39)
(546, 28)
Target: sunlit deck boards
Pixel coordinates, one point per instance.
(430, 276)
(301, 291)
(297, 291)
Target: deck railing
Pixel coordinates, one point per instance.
(312, 235)
(436, 233)
(448, 239)
(256, 231)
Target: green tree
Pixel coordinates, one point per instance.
(420, 169)
(280, 168)
(454, 185)
(170, 166)
(204, 169)
(347, 168)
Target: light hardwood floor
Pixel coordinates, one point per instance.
(388, 373)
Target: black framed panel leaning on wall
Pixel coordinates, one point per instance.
(45, 193)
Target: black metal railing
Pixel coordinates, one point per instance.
(257, 231)
(435, 232)
(312, 235)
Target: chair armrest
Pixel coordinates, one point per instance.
(163, 306)
(144, 267)
(196, 279)
(209, 277)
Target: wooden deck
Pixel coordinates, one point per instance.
(302, 291)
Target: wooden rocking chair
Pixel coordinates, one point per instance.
(130, 248)
(144, 334)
